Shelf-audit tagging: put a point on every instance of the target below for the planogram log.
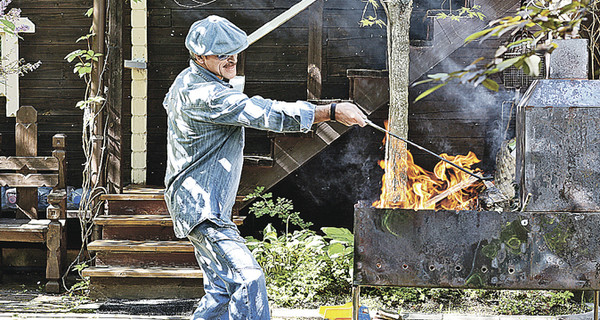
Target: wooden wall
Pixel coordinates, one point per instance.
(452, 120)
(276, 66)
(52, 89)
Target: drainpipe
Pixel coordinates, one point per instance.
(98, 26)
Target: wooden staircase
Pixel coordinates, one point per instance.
(138, 255)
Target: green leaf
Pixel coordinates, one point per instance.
(507, 63)
(422, 81)
(478, 35)
(89, 12)
(8, 24)
(516, 43)
(429, 91)
(341, 234)
(270, 233)
(335, 249)
(81, 104)
(491, 84)
(438, 76)
(71, 56)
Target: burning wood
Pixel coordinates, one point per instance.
(445, 188)
(461, 185)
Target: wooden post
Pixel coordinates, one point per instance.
(56, 237)
(26, 145)
(114, 176)
(398, 56)
(98, 27)
(315, 51)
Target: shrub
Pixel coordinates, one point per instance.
(304, 268)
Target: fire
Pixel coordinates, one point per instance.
(445, 188)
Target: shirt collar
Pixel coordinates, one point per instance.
(207, 75)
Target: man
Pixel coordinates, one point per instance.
(206, 120)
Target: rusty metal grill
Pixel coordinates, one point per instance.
(516, 78)
(470, 249)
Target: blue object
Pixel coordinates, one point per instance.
(363, 313)
(74, 198)
(215, 35)
(8, 196)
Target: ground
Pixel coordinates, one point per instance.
(24, 298)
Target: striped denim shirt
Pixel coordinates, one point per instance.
(205, 142)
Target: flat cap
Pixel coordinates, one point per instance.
(215, 35)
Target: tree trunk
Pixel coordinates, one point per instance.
(398, 12)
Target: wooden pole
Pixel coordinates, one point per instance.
(398, 13)
(315, 51)
(26, 145)
(114, 176)
(98, 22)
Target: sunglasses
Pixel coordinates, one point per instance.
(223, 57)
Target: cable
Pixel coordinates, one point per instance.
(198, 4)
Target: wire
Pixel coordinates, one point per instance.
(198, 3)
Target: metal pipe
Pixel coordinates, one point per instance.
(482, 178)
(596, 298)
(356, 301)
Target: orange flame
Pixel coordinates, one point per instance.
(421, 187)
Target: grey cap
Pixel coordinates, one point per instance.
(215, 35)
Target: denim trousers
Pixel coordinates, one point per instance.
(234, 283)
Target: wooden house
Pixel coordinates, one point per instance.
(324, 172)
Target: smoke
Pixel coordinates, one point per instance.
(473, 118)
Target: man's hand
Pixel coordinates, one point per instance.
(345, 113)
(349, 114)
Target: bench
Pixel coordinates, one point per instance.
(26, 171)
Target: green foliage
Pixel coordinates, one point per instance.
(368, 20)
(542, 20)
(281, 208)
(305, 268)
(511, 302)
(537, 302)
(85, 57)
(82, 286)
(463, 12)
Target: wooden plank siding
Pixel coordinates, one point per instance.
(53, 90)
(275, 66)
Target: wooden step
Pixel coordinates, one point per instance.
(134, 220)
(142, 200)
(150, 272)
(140, 246)
(145, 220)
(23, 230)
(140, 227)
(144, 283)
(143, 254)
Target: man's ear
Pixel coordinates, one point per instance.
(199, 59)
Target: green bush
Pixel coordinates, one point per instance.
(537, 302)
(304, 268)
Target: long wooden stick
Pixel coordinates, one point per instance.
(279, 20)
(457, 187)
